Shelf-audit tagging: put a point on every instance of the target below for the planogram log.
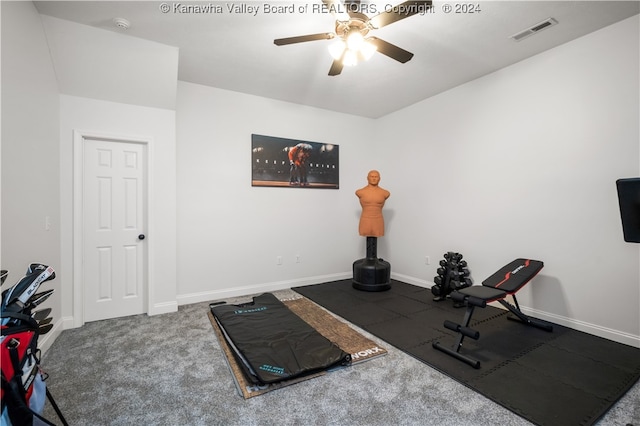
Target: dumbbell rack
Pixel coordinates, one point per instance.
(453, 274)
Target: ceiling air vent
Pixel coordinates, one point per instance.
(534, 29)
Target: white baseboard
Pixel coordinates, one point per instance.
(411, 280)
(206, 296)
(45, 341)
(163, 308)
(594, 329)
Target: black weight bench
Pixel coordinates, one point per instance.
(505, 282)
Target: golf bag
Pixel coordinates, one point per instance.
(23, 381)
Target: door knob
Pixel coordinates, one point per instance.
(141, 237)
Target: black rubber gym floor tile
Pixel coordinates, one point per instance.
(401, 305)
(575, 370)
(540, 398)
(622, 356)
(549, 378)
(433, 317)
(405, 289)
(446, 364)
(364, 313)
(400, 332)
(510, 339)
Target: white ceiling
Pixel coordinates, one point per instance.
(235, 51)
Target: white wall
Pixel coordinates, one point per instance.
(523, 163)
(119, 85)
(110, 118)
(100, 64)
(30, 150)
(229, 233)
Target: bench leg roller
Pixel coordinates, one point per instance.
(465, 331)
(472, 362)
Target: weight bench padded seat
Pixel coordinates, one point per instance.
(504, 282)
(512, 277)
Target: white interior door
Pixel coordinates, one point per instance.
(114, 216)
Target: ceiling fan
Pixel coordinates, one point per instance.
(353, 42)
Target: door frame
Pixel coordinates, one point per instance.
(79, 137)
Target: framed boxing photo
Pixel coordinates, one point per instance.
(293, 163)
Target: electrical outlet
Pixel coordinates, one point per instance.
(297, 258)
(427, 260)
(279, 260)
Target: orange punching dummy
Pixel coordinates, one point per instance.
(372, 199)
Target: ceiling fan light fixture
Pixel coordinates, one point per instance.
(350, 58)
(336, 49)
(368, 49)
(352, 41)
(355, 40)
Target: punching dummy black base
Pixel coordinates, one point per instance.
(371, 273)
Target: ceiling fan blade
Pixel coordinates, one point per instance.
(391, 50)
(304, 38)
(336, 67)
(400, 11)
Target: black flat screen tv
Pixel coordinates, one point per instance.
(629, 199)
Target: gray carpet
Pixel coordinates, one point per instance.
(170, 370)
